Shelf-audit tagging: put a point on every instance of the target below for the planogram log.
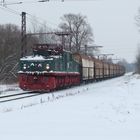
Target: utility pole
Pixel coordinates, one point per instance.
(23, 34)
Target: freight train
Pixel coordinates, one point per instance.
(51, 67)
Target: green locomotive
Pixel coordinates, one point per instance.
(49, 68)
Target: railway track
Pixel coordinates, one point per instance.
(18, 96)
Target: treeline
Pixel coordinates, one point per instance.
(9, 52)
(10, 47)
(138, 61)
(137, 18)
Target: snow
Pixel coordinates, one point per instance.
(34, 58)
(45, 72)
(55, 56)
(8, 88)
(107, 110)
(39, 58)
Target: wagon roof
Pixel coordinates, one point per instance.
(83, 56)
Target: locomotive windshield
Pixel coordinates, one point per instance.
(47, 50)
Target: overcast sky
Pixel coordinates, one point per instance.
(112, 21)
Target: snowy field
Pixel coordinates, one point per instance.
(107, 110)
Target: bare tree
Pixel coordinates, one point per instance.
(138, 54)
(81, 32)
(137, 18)
(129, 67)
(9, 52)
(138, 61)
(10, 47)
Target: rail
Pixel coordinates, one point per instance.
(16, 96)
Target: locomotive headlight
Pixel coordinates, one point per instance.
(47, 66)
(24, 66)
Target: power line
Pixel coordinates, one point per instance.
(30, 18)
(3, 3)
(3, 6)
(33, 19)
(10, 10)
(30, 2)
(13, 11)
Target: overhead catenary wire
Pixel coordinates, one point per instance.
(32, 19)
(19, 2)
(4, 4)
(10, 10)
(43, 20)
(31, 1)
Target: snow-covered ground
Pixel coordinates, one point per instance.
(107, 110)
(4, 89)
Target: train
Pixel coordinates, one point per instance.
(51, 67)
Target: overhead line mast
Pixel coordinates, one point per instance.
(23, 34)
